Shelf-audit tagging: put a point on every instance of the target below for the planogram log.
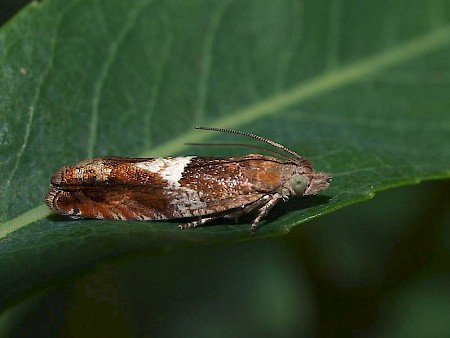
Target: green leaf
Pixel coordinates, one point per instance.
(360, 90)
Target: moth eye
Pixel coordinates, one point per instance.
(299, 183)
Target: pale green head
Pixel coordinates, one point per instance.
(309, 184)
(299, 183)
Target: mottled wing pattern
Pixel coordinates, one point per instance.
(107, 188)
(220, 184)
(162, 188)
(110, 202)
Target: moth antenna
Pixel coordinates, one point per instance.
(243, 145)
(257, 137)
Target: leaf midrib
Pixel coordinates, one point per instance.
(324, 83)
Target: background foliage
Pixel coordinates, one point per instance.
(359, 88)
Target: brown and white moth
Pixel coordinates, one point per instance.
(199, 189)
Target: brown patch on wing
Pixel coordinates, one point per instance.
(228, 183)
(109, 188)
(109, 202)
(105, 170)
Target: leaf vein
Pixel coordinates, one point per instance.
(155, 91)
(322, 84)
(32, 107)
(207, 60)
(113, 51)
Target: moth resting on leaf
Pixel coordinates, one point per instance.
(199, 189)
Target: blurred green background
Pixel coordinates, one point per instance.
(375, 269)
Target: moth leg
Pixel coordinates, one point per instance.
(247, 208)
(199, 222)
(264, 210)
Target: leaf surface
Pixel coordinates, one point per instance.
(361, 91)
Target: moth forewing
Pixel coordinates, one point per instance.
(200, 188)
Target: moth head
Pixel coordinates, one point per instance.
(309, 184)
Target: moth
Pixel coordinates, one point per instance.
(190, 188)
